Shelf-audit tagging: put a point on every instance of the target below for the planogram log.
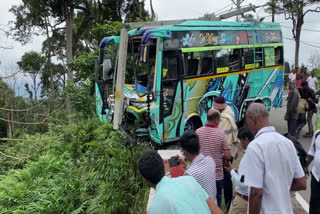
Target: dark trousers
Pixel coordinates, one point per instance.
(219, 185)
(315, 196)
(227, 188)
(301, 122)
(309, 118)
(292, 127)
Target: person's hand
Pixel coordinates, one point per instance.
(228, 166)
(182, 163)
(166, 166)
(306, 171)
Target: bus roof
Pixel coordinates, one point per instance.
(193, 25)
(208, 25)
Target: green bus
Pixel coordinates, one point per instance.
(179, 69)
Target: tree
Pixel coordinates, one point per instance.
(32, 63)
(314, 59)
(295, 11)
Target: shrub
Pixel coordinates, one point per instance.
(87, 168)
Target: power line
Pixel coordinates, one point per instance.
(306, 43)
(223, 8)
(302, 29)
(22, 110)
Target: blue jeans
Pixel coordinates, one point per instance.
(219, 185)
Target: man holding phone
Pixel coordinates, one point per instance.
(173, 195)
(202, 168)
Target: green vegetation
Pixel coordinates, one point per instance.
(85, 167)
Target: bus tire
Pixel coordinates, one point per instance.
(193, 124)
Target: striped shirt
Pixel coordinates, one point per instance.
(201, 169)
(213, 143)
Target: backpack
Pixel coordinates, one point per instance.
(300, 150)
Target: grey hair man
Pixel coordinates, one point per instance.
(270, 156)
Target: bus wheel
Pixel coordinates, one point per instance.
(193, 124)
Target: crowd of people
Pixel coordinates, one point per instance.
(301, 105)
(263, 172)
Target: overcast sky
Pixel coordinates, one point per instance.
(168, 10)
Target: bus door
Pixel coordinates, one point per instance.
(171, 102)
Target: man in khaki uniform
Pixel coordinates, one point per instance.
(228, 125)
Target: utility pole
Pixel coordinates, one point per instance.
(238, 4)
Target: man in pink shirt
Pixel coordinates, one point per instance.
(213, 143)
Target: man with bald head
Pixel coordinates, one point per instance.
(213, 143)
(273, 166)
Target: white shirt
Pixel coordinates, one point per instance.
(292, 76)
(315, 152)
(312, 83)
(236, 177)
(272, 164)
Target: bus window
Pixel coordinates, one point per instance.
(259, 57)
(222, 61)
(279, 56)
(235, 60)
(169, 81)
(198, 63)
(269, 57)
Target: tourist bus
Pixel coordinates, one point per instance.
(178, 70)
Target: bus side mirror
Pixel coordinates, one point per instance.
(144, 53)
(107, 68)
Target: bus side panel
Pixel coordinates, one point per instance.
(239, 91)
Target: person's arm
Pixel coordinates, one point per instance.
(299, 181)
(226, 150)
(255, 200)
(309, 160)
(299, 184)
(227, 155)
(255, 178)
(214, 209)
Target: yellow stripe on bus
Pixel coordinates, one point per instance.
(233, 73)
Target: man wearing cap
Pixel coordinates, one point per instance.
(292, 109)
(228, 125)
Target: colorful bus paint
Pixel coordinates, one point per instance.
(191, 96)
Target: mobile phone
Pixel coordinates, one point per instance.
(173, 162)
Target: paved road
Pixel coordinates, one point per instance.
(277, 120)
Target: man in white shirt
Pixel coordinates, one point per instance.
(292, 76)
(314, 154)
(239, 203)
(312, 81)
(273, 166)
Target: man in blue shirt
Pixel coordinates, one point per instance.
(173, 195)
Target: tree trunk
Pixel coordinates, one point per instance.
(297, 39)
(69, 15)
(69, 38)
(273, 10)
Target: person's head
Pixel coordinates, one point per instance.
(257, 117)
(292, 85)
(312, 73)
(213, 117)
(219, 103)
(298, 76)
(245, 137)
(151, 167)
(189, 143)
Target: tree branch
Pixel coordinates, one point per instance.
(317, 10)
